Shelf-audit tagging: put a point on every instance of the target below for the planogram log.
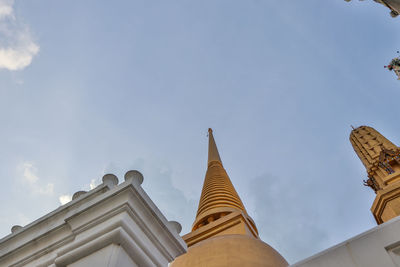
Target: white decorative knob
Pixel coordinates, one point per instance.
(15, 228)
(110, 179)
(135, 177)
(176, 226)
(78, 194)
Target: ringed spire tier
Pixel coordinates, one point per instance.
(218, 197)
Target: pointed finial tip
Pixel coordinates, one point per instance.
(209, 130)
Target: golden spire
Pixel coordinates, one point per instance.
(368, 143)
(381, 159)
(213, 154)
(223, 233)
(218, 197)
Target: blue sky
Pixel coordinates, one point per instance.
(92, 87)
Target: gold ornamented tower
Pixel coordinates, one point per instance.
(223, 234)
(381, 158)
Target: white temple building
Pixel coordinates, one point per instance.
(111, 225)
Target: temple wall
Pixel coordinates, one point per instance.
(379, 246)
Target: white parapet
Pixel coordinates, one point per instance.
(111, 225)
(378, 247)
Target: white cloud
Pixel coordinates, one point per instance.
(29, 176)
(29, 172)
(17, 47)
(19, 57)
(65, 199)
(6, 8)
(93, 184)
